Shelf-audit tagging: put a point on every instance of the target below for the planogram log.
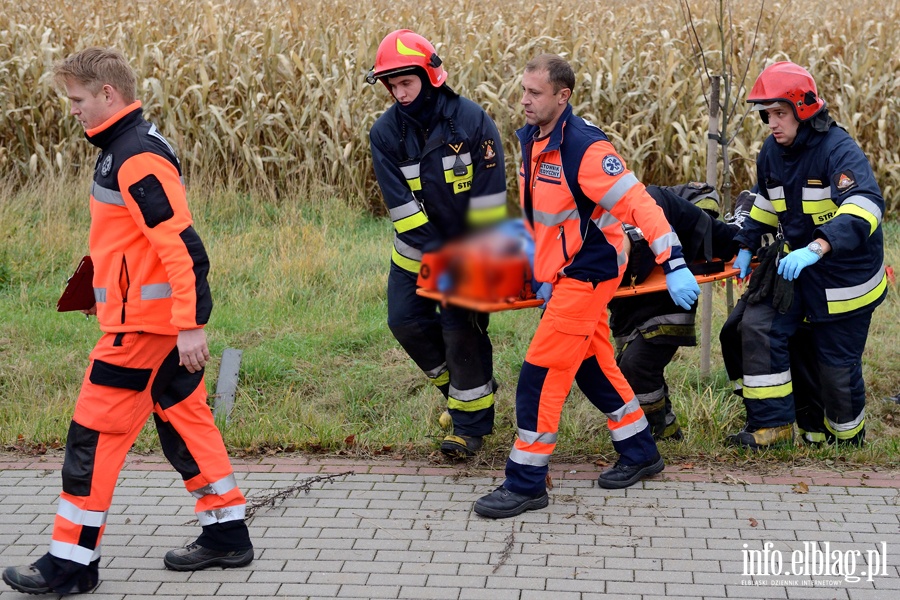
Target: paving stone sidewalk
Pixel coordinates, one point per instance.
(400, 529)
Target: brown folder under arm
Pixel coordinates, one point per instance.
(79, 292)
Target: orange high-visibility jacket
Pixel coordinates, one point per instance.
(575, 193)
(150, 265)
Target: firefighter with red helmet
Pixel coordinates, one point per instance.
(439, 163)
(817, 192)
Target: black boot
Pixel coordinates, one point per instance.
(622, 476)
(502, 503)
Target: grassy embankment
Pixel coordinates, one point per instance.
(299, 287)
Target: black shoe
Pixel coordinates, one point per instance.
(194, 557)
(26, 579)
(763, 437)
(502, 503)
(622, 476)
(461, 447)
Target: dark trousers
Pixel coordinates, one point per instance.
(451, 346)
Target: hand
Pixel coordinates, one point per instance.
(193, 353)
(790, 266)
(742, 262)
(682, 287)
(544, 292)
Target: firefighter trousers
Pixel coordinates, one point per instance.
(572, 344)
(643, 363)
(130, 376)
(834, 347)
(451, 346)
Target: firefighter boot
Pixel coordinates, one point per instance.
(763, 437)
(29, 580)
(621, 475)
(195, 557)
(662, 420)
(461, 447)
(502, 503)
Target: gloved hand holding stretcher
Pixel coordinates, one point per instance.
(491, 271)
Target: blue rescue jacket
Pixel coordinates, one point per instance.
(822, 186)
(438, 180)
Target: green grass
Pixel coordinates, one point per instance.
(299, 286)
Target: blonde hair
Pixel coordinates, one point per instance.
(95, 67)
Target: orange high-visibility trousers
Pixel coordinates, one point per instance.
(572, 340)
(131, 375)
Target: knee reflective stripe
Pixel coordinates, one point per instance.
(814, 437)
(473, 399)
(80, 530)
(534, 437)
(846, 431)
(222, 515)
(763, 387)
(77, 554)
(651, 399)
(627, 421)
(220, 487)
(533, 448)
(439, 375)
(77, 516)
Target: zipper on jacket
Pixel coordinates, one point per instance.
(127, 286)
(562, 235)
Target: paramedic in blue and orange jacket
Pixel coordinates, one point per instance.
(152, 302)
(575, 193)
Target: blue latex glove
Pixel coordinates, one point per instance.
(682, 287)
(790, 266)
(742, 262)
(544, 292)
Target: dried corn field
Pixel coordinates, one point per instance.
(269, 95)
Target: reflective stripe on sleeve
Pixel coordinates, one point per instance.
(862, 207)
(106, 195)
(845, 299)
(618, 190)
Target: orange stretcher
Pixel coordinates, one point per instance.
(491, 277)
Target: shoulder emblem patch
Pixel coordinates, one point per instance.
(106, 165)
(612, 165)
(843, 181)
(489, 153)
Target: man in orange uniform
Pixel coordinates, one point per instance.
(152, 301)
(576, 193)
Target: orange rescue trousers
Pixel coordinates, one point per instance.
(130, 376)
(572, 343)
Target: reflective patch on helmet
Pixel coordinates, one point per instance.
(612, 165)
(844, 181)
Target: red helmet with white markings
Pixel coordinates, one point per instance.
(786, 82)
(402, 51)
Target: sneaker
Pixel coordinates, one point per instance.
(763, 437)
(461, 447)
(27, 580)
(502, 503)
(194, 557)
(742, 205)
(622, 476)
(894, 399)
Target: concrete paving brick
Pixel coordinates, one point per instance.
(402, 535)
